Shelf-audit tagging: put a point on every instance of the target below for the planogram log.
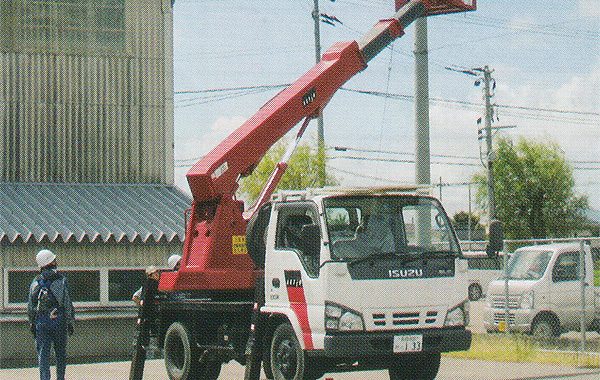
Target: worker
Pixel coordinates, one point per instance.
(173, 264)
(51, 314)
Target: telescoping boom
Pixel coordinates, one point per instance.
(214, 253)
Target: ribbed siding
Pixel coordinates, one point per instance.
(91, 213)
(90, 118)
(92, 255)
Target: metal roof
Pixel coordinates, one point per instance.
(71, 212)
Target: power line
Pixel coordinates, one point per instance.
(344, 148)
(360, 175)
(403, 161)
(266, 86)
(248, 90)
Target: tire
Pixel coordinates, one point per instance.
(288, 361)
(423, 366)
(545, 328)
(182, 357)
(475, 292)
(267, 360)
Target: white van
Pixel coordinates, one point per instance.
(544, 292)
(482, 270)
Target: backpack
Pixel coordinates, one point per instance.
(46, 301)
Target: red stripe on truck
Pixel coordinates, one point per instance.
(298, 304)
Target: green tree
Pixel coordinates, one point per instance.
(533, 186)
(302, 171)
(460, 221)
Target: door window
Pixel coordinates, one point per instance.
(291, 226)
(566, 267)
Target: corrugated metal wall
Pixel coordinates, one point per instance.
(91, 116)
(91, 255)
(87, 255)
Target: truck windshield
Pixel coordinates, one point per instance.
(528, 265)
(406, 226)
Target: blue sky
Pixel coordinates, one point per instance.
(546, 54)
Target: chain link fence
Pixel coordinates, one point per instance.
(544, 304)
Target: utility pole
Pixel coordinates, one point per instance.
(320, 127)
(487, 95)
(422, 151)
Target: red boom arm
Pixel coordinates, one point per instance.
(214, 252)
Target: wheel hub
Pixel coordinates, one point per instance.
(286, 359)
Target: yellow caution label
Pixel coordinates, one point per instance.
(238, 245)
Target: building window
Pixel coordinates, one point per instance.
(71, 26)
(88, 287)
(18, 285)
(84, 285)
(122, 283)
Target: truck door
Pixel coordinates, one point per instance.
(292, 270)
(565, 289)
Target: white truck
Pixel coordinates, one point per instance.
(310, 282)
(544, 292)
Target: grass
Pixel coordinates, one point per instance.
(597, 273)
(520, 348)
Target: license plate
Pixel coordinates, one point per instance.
(502, 326)
(408, 343)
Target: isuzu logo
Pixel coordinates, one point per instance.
(405, 273)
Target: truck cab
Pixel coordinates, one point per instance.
(368, 279)
(544, 292)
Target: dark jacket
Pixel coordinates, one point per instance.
(58, 287)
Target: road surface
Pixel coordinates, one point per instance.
(451, 369)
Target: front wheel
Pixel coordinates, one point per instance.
(423, 366)
(545, 328)
(288, 361)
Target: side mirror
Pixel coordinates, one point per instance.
(311, 240)
(496, 243)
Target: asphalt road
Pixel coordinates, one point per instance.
(451, 369)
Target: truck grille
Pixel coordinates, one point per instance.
(406, 319)
(498, 317)
(499, 302)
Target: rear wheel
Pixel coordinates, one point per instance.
(475, 292)
(423, 366)
(182, 358)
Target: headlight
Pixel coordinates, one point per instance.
(350, 322)
(340, 318)
(527, 300)
(458, 315)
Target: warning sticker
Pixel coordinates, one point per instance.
(238, 245)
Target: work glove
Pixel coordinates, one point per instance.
(70, 329)
(32, 329)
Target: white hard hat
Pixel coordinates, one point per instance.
(172, 261)
(44, 257)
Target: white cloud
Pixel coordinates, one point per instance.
(582, 92)
(589, 8)
(191, 149)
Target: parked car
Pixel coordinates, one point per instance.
(544, 292)
(482, 270)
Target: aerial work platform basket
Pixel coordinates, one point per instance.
(439, 7)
